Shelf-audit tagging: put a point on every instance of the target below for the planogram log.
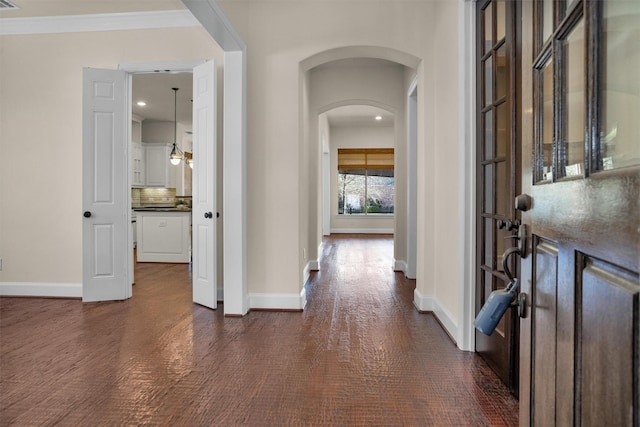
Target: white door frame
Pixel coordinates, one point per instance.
(234, 295)
(412, 179)
(467, 175)
(214, 21)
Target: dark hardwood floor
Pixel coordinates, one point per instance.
(359, 354)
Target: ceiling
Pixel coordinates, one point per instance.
(156, 90)
(359, 115)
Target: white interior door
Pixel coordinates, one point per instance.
(105, 192)
(204, 185)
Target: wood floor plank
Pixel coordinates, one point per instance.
(359, 354)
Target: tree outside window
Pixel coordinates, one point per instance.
(368, 189)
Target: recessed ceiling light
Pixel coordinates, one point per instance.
(141, 103)
(378, 117)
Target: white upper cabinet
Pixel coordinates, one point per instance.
(137, 164)
(137, 153)
(157, 166)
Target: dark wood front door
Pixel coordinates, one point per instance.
(580, 340)
(497, 180)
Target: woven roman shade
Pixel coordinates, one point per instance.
(365, 158)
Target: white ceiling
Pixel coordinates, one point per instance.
(359, 115)
(156, 90)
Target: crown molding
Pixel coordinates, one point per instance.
(98, 22)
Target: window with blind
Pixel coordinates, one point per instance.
(365, 181)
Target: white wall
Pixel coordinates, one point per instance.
(41, 130)
(287, 38)
(357, 137)
(447, 175)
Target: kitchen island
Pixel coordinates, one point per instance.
(163, 235)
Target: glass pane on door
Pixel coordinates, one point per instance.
(504, 199)
(488, 135)
(571, 155)
(620, 135)
(488, 188)
(502, 76)
(488, 81)
(488, 28)
(545, 142)
(503, 134)
(500, 20)
(547, 19)
(489, 227)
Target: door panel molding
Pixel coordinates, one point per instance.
(608, 345)
(544, 292)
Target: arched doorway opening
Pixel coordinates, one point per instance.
(346, 80)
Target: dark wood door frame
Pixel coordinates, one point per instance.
(497, 152)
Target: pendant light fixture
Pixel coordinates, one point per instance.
(176, 153)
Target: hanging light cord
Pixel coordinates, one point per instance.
(175, 115)
(176, 154)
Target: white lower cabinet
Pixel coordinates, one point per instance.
(163, 236)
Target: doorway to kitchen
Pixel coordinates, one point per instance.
(161, 199)
(159, 219)
(107, 241)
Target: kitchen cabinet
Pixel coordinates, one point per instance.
(157, 166)
(163, 236)
(137, 164)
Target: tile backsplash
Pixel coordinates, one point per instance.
(153, 197)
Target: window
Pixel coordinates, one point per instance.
(365, 181)
(585, 72)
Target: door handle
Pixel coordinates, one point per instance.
(208, 215)
(87, 214)
(523, 202)
(521, 237)
(508, 224)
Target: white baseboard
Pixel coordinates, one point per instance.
(446, 319)
(422, 302)
(362, 231)
(432, 304)
(400, 265)
(51, 290)
(278, 301)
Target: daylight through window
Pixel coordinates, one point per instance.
(365, 181)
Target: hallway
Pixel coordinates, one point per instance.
(360, 354)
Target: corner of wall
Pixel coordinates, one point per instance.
(431, 304)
